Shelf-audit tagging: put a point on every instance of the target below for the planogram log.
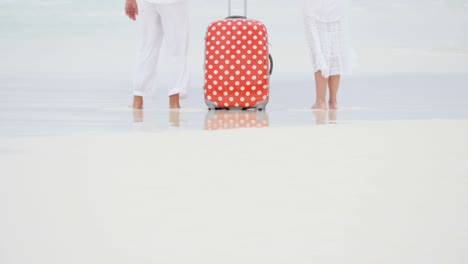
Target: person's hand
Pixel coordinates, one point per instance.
(131, 9)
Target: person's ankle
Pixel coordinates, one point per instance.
(137, 102)
(174, 101)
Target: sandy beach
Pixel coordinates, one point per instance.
(380, 192)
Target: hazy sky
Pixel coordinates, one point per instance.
(390, 36)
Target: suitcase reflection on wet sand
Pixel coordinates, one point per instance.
(224, 119)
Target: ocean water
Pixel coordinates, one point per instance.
(66, 67)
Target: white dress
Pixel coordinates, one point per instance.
(327, 36)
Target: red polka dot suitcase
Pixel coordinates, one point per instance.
(237, 64)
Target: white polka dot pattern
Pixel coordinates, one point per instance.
(236, 63)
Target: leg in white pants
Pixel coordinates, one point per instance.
(158, 23)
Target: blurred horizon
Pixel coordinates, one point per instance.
(95, 37)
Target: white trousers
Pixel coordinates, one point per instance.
(158, 24)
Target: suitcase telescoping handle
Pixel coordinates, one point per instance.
(237, 16)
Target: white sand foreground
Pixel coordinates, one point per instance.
(392, 192)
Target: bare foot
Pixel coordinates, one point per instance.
(319, 106)
(174, 101)
(333, 105)
(137, 102)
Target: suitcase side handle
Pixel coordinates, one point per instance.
(270, 58)
(230, 8)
